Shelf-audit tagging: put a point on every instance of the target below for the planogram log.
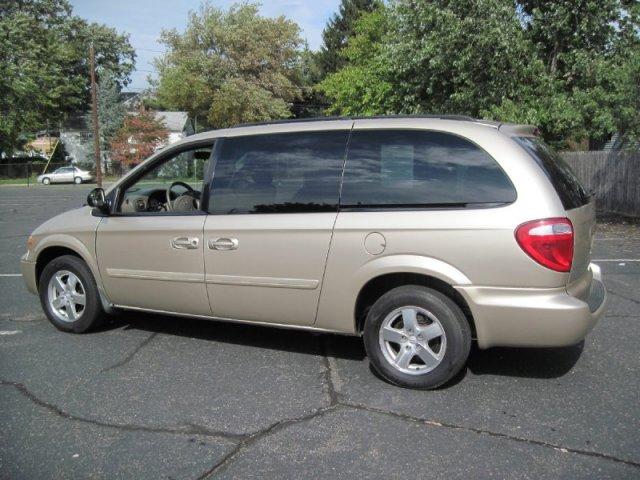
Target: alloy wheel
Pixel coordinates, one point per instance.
(67, 296)
(412, 340)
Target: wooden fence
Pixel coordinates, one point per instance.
(614, 176)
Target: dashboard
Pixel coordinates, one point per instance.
(154, 199)
(144, 200)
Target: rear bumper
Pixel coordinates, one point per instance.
(535, 317)
(28, 270)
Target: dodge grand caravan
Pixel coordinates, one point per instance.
(420, 234)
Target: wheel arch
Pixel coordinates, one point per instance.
(59, 245)
(54, 246)
(51, 253)
(379, 285)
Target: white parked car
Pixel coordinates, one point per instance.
(66, 175)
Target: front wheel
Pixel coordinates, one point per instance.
(77, 180)
(46, 180)
(416, 337)
(69, 295)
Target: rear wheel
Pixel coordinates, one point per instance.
(417, 337)
(46, 180)
(77, 180)
(69, 295)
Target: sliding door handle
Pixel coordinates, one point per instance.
(185, 243)
(223, 244)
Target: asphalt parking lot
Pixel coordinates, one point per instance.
(159, 397)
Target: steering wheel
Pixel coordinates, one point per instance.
(189, 192)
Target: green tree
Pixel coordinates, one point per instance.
(231, 66)
(312, 102)
(339, 29)
(111, 112)
(364, 85)
(437, 56)
(493, 59)
(591, 51)
(315, 66)
(44, 73)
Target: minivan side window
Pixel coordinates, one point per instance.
(278, 173)
(418, 168)
(173, 185)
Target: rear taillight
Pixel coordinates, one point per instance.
(549, 242)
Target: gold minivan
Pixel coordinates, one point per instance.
(418, 233)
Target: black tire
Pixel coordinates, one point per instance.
(77, 180)
(93, 313)
(46, 181)
(451, 318)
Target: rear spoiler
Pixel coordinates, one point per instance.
(515, 130)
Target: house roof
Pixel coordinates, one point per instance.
(173, 121)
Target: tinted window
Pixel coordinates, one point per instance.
(571, 193)
(420, 168)
(281, 173)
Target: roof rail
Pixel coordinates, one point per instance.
(372, 117)
(462, 118)
(290, 120)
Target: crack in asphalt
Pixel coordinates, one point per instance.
(188, 429)
(328, 381)
(20, 319)
(129, 357)
(624, 296)
(335, 403)
(481, 431)
(252, 438)
(243, 441)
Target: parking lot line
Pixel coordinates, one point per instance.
(10, 274)
(616, 260)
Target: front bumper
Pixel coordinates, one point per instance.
(28, 270)
(536, 317)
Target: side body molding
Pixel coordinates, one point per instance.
(336, 309)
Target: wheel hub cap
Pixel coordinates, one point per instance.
(66, 295)
(412, 340)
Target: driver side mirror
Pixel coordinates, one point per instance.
(97, 200)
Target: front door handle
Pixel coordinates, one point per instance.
(223, 244)
(185, 243)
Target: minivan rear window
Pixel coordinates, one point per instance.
(420, 169)
(572, 194)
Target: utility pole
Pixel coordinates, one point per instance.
(94, 114)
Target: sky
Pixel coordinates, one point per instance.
(144, 19)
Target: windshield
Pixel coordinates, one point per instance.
(572, 194)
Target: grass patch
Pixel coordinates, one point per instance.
(17, 181)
